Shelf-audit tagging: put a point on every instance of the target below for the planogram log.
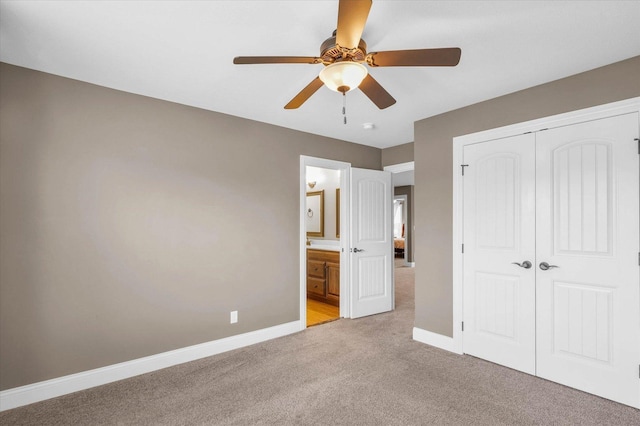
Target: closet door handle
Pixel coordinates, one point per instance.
(357, 250)
(526, 264)
(545, 266)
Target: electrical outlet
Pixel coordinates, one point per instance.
(234, 317)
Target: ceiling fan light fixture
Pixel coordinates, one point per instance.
(343, 76)
(345, 52)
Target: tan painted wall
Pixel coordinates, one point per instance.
(433, 169)
(132, 226)
(397, 154)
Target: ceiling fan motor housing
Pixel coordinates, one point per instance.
(330, 52)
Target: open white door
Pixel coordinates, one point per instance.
(371, 242)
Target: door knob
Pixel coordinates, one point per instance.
(526, 264)
(357, 250)
(545, 266)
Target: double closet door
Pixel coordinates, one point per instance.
(551, 253)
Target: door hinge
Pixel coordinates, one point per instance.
(462, 248)
(462, 325)
(638, 140)
(462, 166)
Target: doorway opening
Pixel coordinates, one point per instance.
(324, 230)
(323, 245)
(365, 245)
(399, 227)
(403, 188)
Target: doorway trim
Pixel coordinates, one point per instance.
(400, 167)
(574, 117)
(345, 174)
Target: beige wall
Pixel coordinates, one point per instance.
(132, 226)
(397, 154)
(433, 169)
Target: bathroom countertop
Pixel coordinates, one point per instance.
(327, 247)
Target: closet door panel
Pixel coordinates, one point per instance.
(499, 229)
(587, 210)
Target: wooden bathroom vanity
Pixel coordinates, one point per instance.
(323, 276)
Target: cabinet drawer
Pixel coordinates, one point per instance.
(316, 286)
(315, 268)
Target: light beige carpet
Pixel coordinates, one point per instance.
(348, 372)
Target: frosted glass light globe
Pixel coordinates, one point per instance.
(343, 76)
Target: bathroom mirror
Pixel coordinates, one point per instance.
(315, 214)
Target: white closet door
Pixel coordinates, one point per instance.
(499, 229)
(588, 329)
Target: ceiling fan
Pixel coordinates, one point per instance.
(344, 53)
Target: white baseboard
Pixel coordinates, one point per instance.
(28, 394)
(438, 340)
(410, 264)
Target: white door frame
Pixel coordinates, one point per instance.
(400, 167)
(574, 117)
(345, 173)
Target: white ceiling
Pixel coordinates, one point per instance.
(183, 51)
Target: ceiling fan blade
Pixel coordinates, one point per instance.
(276, 60)
(304, 94)
(376, 92)
(352, 16)
(447, 57)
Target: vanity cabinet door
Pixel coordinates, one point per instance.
(333, 279)
(323, 276)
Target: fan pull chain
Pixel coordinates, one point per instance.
(344, 106)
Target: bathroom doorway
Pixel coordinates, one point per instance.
(323, 244)
(324, 261)
(365, 244)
